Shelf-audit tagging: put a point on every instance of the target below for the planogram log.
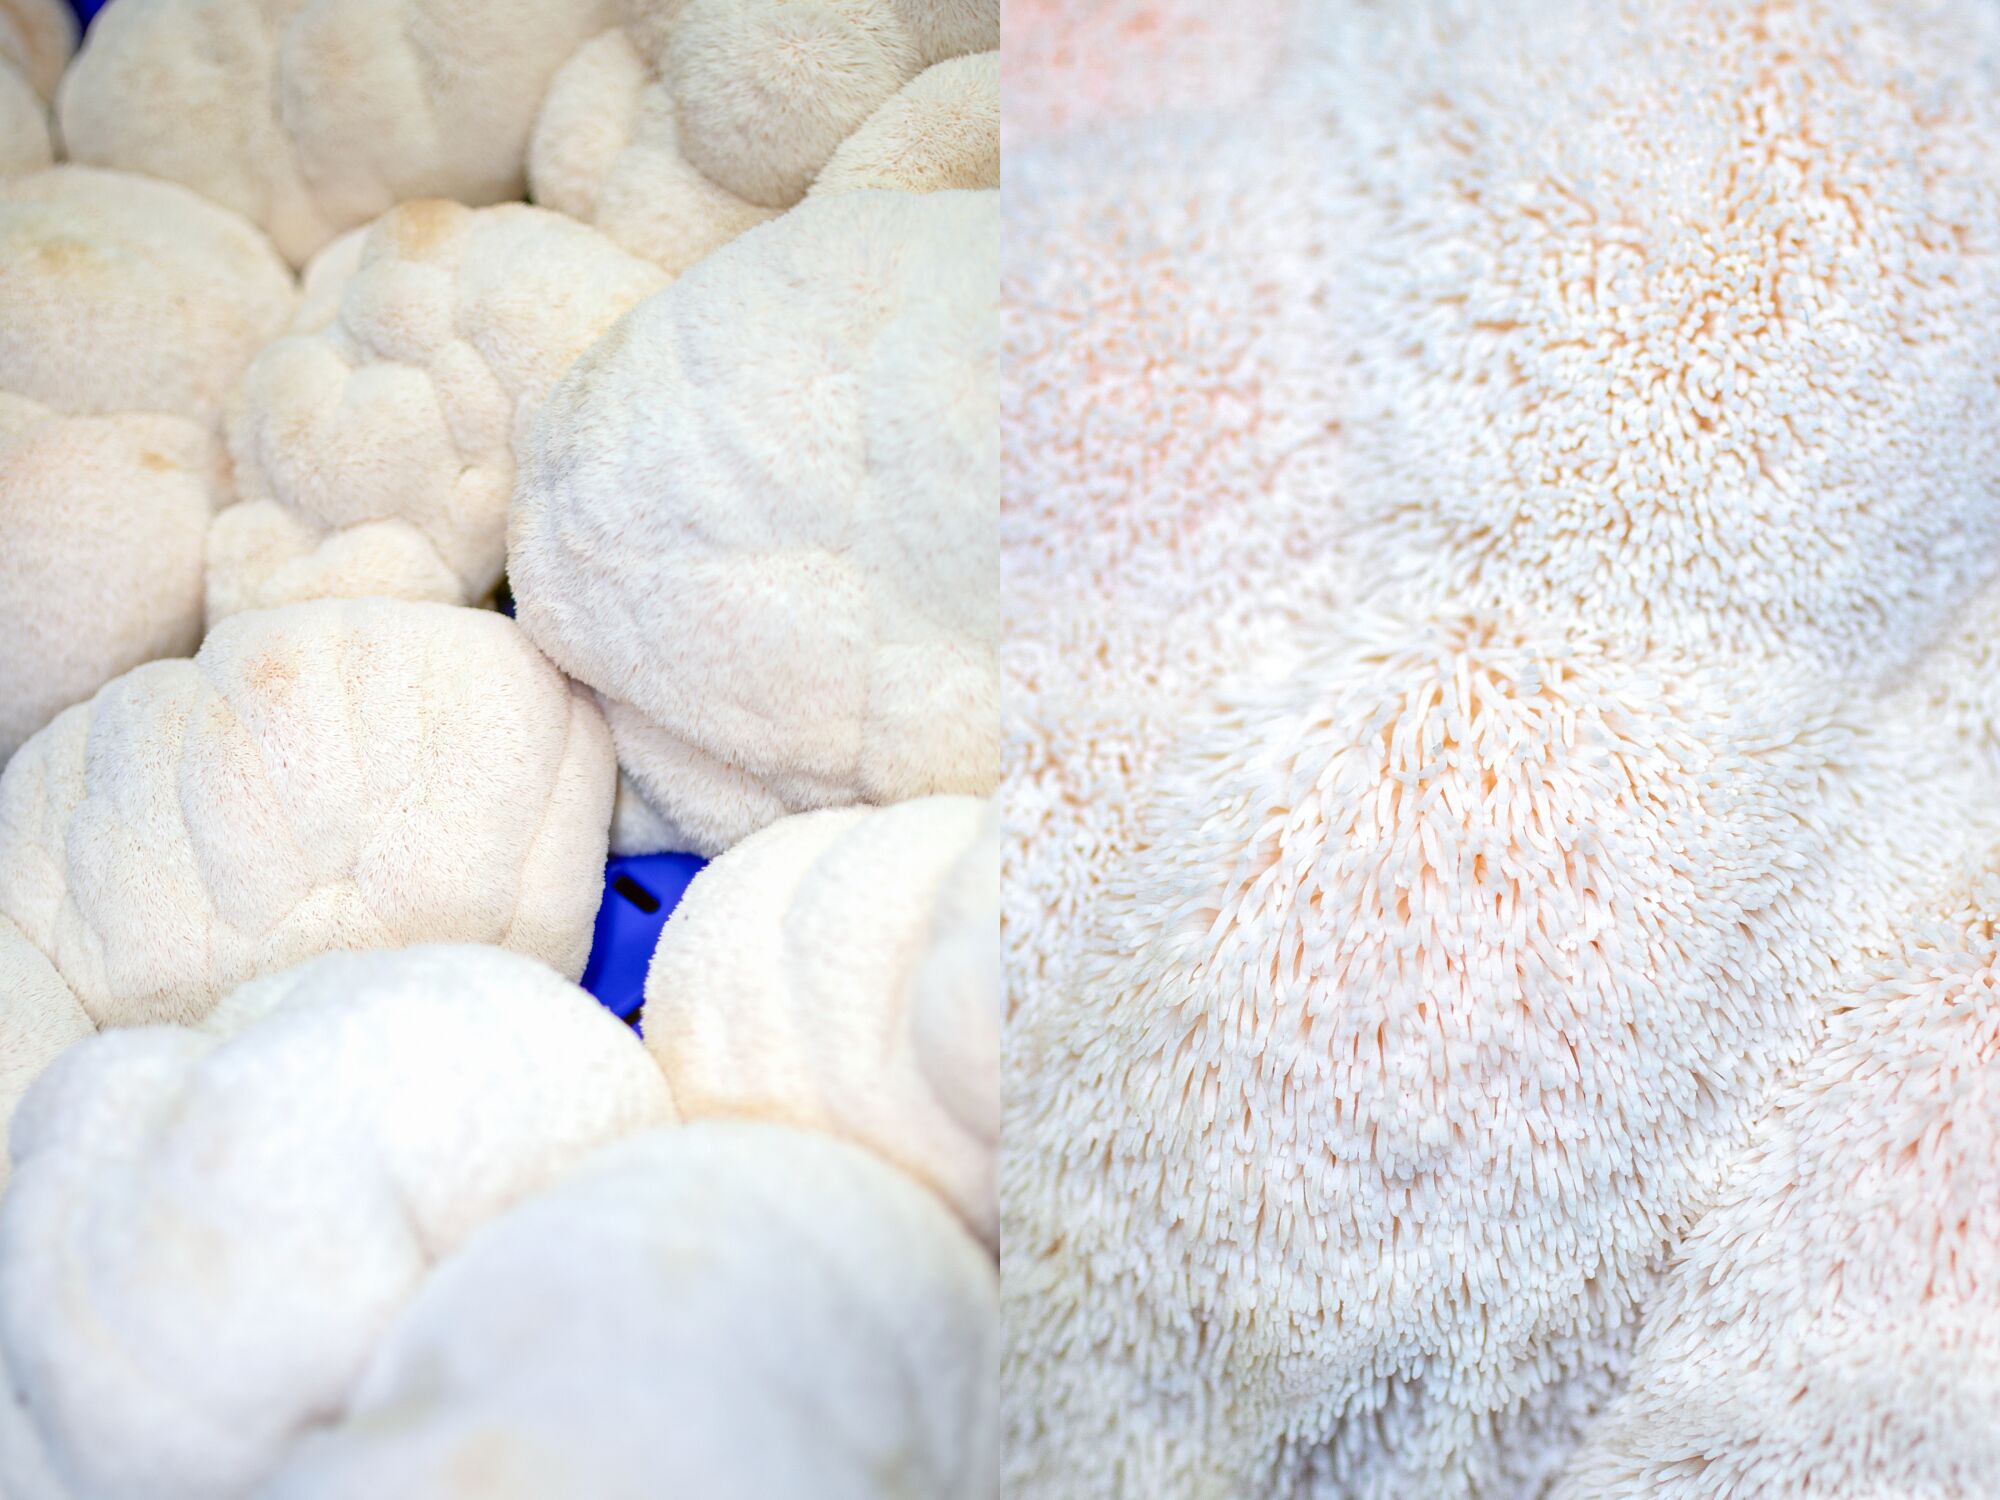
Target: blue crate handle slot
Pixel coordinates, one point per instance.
(640, 893)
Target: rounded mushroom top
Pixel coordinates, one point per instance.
(210, 1228)
(384, 424)
(729, 1308)
(697, 120)
(310, 119)
(839, 970)
(769, 88)
(37, 37)
(796, 443)
(123, 294)
(315, 777)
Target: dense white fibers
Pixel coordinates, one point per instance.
(343, 774)
(695, 120)
(1413, 1025)
(1699, 359)
(1167, 511)
(1832, 1326)
(829, 971)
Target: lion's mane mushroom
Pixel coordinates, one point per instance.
(726, 1309)
(1073, 65)
(1832, 1325)
(342, 774)
(309, 119)
(374, 445)
(128, 309)
(940, 130)
(1168, 512)
(36, 39)
(1428, 1003)
(837, 970)
(209, 1228)
(757, 517)
(1705, 365)
(697, 120)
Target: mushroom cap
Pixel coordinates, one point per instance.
(816, 1324)
(209, 1229)
(794, 444)
(826, 972)
(128, 295)
(697, 120)
(311, 119)
(607, 150)
(101, 528)
(317, 777)
(374, 445)
(768, 89)
(940, 130)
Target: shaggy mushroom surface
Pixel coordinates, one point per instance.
(322, 776)
(837, 970)
(374, 445)
(129, 310)
(794, 445)
(730, 1309)
(310, 118)
(696, 120)
(210, 1227)
(1496, 573)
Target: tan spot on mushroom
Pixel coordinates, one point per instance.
(422, 225)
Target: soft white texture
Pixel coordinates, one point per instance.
(24, 125)
(1831, 1328)
(128, 309)
(1075, 64)
(758, 518)
(209, 1229)
(940, 130)
(128, 295)
(837, 971)
(361, 774)
(312, 116)
(1426, 1006)
(1670, 320)
(1168, 518)
(696, 120)
(606, 150)
(1304, 1190)
(42, 1017)
(734, 1311)
(374, 445)
(37, 38)
(102, 521)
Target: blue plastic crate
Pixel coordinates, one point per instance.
(640, 893)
